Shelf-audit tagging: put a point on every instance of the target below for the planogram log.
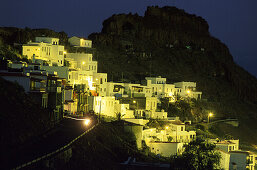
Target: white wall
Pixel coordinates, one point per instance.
(224, 160)
(166, 149)
(23, 81)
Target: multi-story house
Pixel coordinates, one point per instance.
(160, 89)
(242, 160)
(177, 131)
(80, 42)
(45, 50)
(187, 89)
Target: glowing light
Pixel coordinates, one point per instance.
(83, 62)
(64, 52)
(188, 91)
(210, 114)
(170, 94)
(166, 127)
(151, 130)
(134, 101)
(86, 122)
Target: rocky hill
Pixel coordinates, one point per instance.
(170, 43)
(165, 42)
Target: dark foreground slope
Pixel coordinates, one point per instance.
(105, 147)
(170, 43)
(21, 118)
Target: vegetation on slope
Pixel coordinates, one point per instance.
(176, 45)
(21, 117)
(104, 148)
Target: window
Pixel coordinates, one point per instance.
(229, 148)
(181, 128)
(60, 52)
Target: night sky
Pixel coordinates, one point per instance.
(234, 22)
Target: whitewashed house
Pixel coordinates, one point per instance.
(242, 160)
(224, 159)
(228, 145)
(177, 130)
(102, 105)
(187, 89)
(45, 49)
(160, 89)
(80, 42)
(166, 149)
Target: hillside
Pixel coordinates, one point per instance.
(170, 43)
(20, 118)
(164, 42)
(105, 147)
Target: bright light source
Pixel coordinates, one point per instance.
(210, 114)
(166, 127)
(134, 101)
(188, 91)
(86, 122)
(64, 52)
(83, 62)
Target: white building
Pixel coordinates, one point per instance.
(242, 160)
(187, 89)
(228, 145)
(45, 49)
(103, 105)
(70, 103)
(160, 89)
(80, 42)
(82, 61)
(166, 149)
(177, 130)
(224, 159)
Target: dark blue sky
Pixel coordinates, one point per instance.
(234, 22)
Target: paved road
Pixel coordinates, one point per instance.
(65, 132)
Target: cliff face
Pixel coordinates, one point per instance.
(171, 43)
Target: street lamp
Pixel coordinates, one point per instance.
(86, 122)
(135, 102)
(209, 116)
(188, 92)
